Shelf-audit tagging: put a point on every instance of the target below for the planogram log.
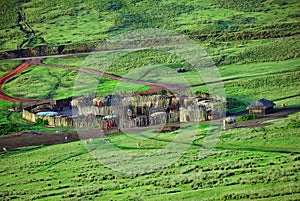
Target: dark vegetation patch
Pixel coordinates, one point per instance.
(246, 117)
(40, 121)
(9, 128)
(234, 103)
(246, 5)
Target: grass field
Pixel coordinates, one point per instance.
(81, 25)
(257, 163)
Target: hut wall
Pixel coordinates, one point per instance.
(192, 114)
(28, 115)
(269, 110)
(257, 111)
(261, 111)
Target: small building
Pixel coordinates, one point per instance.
(261, 107)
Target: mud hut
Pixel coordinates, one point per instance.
(261, 107)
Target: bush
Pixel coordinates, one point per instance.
(40, 121)
(234, 103)
(293, 124)
(46, 122)
(6, 129)
(246, 117)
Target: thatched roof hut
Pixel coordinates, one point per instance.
(261, 107)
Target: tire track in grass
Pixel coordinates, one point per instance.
(57, 84)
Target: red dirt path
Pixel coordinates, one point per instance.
(154, 87)
(11, 74)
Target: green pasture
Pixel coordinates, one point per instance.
(82, 25)
(222, 54)
(253, 163)
(265, 138)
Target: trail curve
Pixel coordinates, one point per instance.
(153, 87)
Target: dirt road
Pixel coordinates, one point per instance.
(8, 76)
(38, 138)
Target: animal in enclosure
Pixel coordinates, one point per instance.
(106, 140)
(229, 121)
(88, 141)
(130, 113)
(75, 102)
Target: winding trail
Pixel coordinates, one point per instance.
(11, 74)
(153, 87)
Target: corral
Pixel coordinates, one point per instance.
(125, 111)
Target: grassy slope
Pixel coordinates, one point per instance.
(78, 22)
(233, 170)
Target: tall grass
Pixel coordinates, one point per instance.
(273, 50)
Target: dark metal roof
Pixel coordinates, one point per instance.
(261, 104)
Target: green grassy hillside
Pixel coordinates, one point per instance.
(256, 163)
(81, 25)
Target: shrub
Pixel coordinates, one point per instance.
(234, 103)
(293, 124)
(46, 122)
(40, 121)
(246, 117)
(6, 129)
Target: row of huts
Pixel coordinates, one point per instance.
(136, 110)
